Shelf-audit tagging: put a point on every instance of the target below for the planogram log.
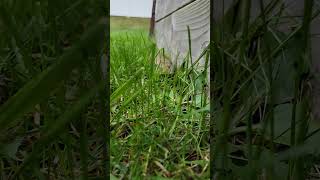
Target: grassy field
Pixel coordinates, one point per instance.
(159, 121)
(118, 23)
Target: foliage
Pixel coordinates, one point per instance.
(50, 53)
(262, 97)
(159, 123)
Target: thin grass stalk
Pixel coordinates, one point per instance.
(304, 30)
(270, 78)
(70, 159)
(211, 94)
(243, 58)
(249, 146)
(189, 45)
(189, 70)
(49, 165)
(225, 128)
(204, 92)
(83, 148)
(245, 17)
(106, 121)
(293, 125)
(299, 172)
(220, 153)
(151, 75)
(245, 25)
(83, 132)
(270, 117)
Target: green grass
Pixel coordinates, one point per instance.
(263, 127)
(52, 113)
(50, 58)
(120, 23)
(159, 121)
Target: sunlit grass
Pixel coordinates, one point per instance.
(159, 121)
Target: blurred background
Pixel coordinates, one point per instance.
(130, 15)
(137, 8)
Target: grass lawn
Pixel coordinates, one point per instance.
(119, 23)
(159, 121)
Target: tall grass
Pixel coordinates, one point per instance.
(262, 122)
(50, 56)
(159, 121)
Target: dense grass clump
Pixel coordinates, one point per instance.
(159, 121)
(51, 122)
(262, 123)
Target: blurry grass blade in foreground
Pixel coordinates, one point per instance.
(42, 85)
(265, 92)
(53, 129)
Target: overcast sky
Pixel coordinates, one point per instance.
(133, 8)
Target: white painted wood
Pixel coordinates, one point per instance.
(165, 7)
(172, 32)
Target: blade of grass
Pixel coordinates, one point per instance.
(52, 130)
(41, 86)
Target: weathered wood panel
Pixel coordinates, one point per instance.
(166, 7)
(171, 29)
(173, 17)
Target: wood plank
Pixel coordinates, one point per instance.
(165, 7)
(172, 32)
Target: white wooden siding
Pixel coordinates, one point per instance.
(172, 32)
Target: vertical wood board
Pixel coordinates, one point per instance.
(172, 31)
